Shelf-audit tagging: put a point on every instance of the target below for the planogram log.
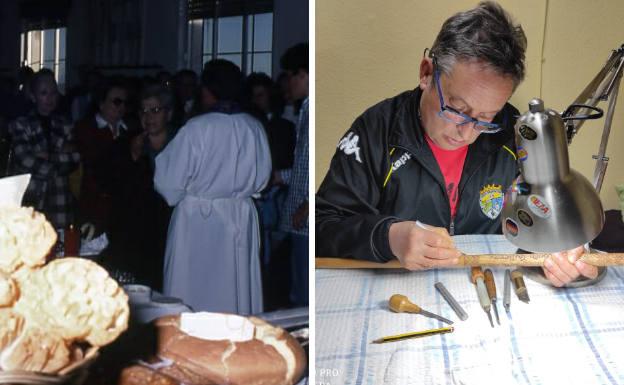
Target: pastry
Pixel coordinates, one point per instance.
(75, 298)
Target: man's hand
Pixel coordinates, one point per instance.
(564, 267)
(419, 249)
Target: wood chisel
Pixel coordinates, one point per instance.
(477, 278)
(401, 304)
(461, 313)
(519, 286)
(490, 284)
(507, 292)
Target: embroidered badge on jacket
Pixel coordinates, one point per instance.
(491, 200)
(349, 145)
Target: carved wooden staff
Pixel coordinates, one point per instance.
(595, 259)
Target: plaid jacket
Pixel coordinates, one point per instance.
(298, 188)
(48, 190)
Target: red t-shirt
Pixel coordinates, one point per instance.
(451, 164)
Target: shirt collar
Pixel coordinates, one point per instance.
(102, 123)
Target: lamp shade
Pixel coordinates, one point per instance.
(549, 207)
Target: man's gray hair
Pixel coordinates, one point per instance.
(484, 34)
(162, 93)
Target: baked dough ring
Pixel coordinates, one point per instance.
(75, 298)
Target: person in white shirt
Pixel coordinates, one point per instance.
(210, 171)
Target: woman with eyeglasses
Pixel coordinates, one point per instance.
(442, 154)
(43, 147)
(155, 114)
(98, 138)
(140, 216)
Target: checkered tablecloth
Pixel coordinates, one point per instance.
(563, 336)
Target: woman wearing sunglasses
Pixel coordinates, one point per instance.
(97, 137)
(140, 216)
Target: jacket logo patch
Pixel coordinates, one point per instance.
(491, 200)
(349, 145)
(401, 161)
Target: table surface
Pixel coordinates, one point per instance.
(563, 336)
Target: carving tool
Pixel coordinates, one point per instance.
(507, 291)
(401, 304)
(594, 259)
(490, 284)
(424, 333)
(451, 301)
(519, 286)
(477, 278)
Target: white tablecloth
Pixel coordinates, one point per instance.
(564, 336)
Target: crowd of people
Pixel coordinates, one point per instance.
(188, 175)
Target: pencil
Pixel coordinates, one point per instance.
(424, 333)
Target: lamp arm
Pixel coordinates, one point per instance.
(601, 159)
(599, 89)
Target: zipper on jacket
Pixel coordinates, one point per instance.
(452, 226)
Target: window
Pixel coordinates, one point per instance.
(45, 49)
(246, 40)
(260, 36)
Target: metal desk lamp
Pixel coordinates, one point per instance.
(551, 207)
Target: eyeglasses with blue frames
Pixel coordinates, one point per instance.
(450, 114)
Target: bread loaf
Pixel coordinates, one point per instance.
(272, 357)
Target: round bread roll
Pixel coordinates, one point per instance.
(272, 357)
(75, 298)
(26, 237)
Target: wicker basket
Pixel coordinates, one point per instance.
(74, 374)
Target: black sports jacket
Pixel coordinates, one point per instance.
(384, 171)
